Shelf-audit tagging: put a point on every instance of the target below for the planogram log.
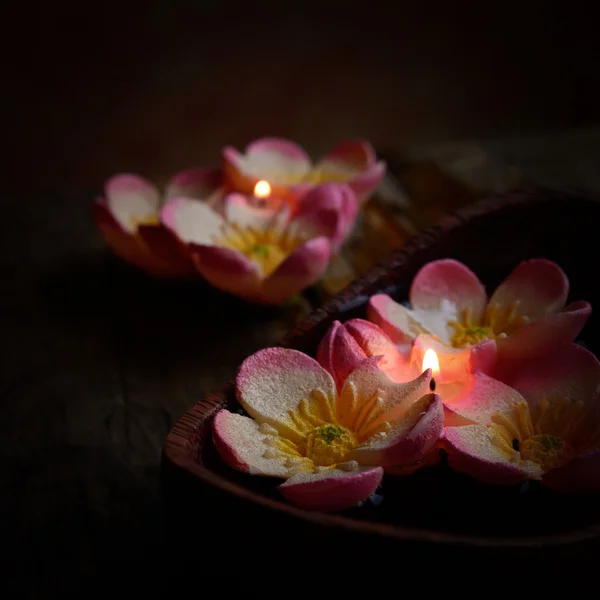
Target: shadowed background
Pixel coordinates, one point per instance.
(153, 87)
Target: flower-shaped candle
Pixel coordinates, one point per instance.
(291, 173)
(329, 444)
(546, 425)
(127, 216)
(525, 317)
(259, 254)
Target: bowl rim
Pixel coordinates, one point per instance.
(176, 451)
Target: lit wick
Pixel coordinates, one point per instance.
(262, 190)
(430, 361)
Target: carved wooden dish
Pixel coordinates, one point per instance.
(436, 510)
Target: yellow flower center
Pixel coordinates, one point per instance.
(321, 438)
(548, 451)
(329, 444)
(547, 439)
(268, 256)
(267, 248)
(497, 322)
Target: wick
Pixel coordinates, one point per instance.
(432, 384)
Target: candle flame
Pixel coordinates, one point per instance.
(262, 189)
(430, 361)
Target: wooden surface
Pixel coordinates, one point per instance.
(101, 361)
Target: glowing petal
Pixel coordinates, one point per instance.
(483, 397)
(345, 346)
(280, 162)
(456, 363)
(332, 489)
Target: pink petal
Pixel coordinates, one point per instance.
(274, 381)
(165, 245)
(357, 153)
(572, 373)
(481, 398)
(539, 286)
(239, 211)
(331, 490)
(128, 247)
(242, 445)
(357, 159)
(200, 184)
(580, 476)
(346, 346)
(484, 357)
(274, 159)
(394, 319)
(544, 335)
(192, 221)
(301, 269)
(367, 382)
(228, 270)
(471, 450)
(330, 210)
(132, 200)
(339, 353)
(364, 185)
(411, 441)
(448, 281)
(374, 342)
(280, 147)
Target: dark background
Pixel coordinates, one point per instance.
(154, 86)
(99, 363)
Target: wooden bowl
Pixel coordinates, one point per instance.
(436, 511)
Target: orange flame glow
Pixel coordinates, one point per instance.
(262, 189)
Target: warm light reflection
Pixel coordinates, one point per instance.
(430, 361)
(262, 189)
